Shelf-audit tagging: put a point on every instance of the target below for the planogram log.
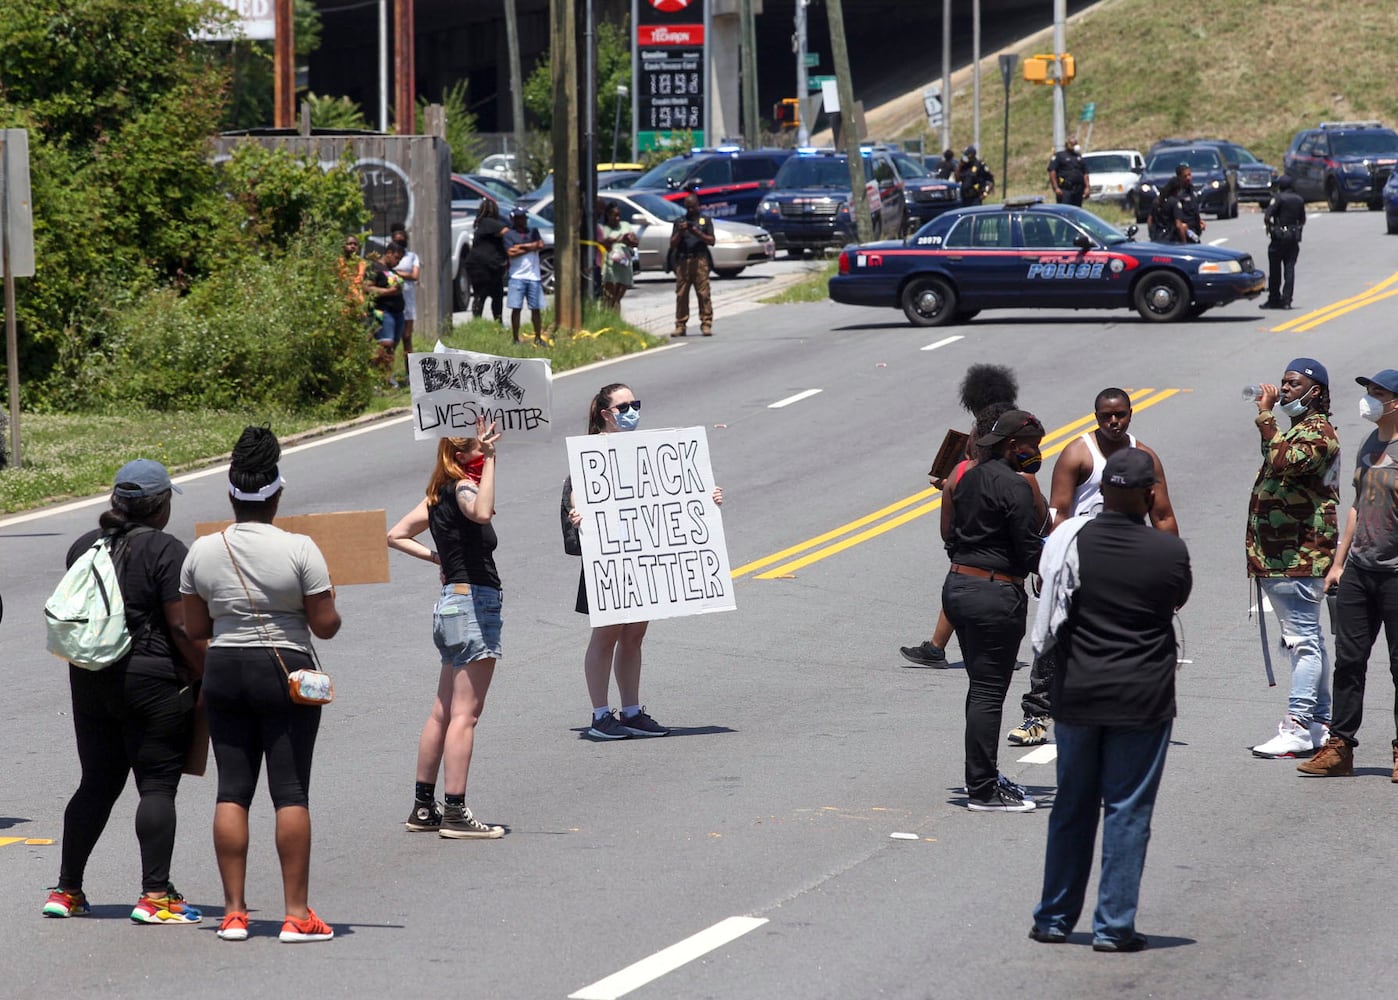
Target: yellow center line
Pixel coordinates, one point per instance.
(883, 512)
(1348, 309)
(1326, 313)
(873, 532)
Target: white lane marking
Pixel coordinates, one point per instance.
(1266, 605)
(942, 343)
(904, 836)
(1218, 242)
(329, 438)
(807, 394)
(1046, 754)
(667, 960)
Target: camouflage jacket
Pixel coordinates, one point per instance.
(1292, 528)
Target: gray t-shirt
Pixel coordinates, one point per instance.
(1375, 545)
(280, 569)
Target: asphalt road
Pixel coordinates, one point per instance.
(802, 744)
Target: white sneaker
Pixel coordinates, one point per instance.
(1320, 732)
(1292, 740)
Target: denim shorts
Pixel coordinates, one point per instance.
(392, 330)
(524, 291)
(466, 627)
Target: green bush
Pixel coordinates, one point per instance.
(461, 127)
(264, 331)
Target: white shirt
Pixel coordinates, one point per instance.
(405, 267)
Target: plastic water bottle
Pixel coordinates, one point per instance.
(1252, 393)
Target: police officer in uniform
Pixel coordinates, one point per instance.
(976, 179)
(1285, 218)
(946, 167)
(1187, 217)
(1068, 175)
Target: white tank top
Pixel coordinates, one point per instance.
(1087, 499)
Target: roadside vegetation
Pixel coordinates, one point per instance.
(1253, 71)
(812, 288)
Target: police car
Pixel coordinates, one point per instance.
(729, 180)
(1342, 162)
(1027, 254)
(928, 195)
(810, 205)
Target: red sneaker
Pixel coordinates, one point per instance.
(301, 931)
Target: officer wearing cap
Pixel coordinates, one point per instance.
(1068, 174)
(1365, 575)
(993, 541)
(1291, 537)
(976, 179)
(1285, 218)
(1111, 586)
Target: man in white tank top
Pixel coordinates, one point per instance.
(1077, 489)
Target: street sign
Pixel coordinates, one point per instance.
(932, 104)
(816, 82)
(15, 213)
(812, 60)
(830, 94)
(1007, 68)
(1089, 111)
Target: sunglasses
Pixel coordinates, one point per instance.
(635, 404)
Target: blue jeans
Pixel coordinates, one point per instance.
(1116, 770)
(1297, 602)
(466, 627)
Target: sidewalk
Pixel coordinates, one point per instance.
(654, 312)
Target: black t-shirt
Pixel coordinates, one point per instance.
(1286, 215)
(488, 243)
(690, 244)
(378, 271)
(466, 548)
(1117, 649)
(1187, 209)
(993, 521)
(149, 575)
(1068, 166)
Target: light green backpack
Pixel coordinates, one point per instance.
(86, 615)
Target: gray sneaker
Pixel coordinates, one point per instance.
(426, 817)
(642, 724)
(608, 728)
(459, 824)
(924, 655)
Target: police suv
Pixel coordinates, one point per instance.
(810, 205)
(1342, 162)
(729, 180)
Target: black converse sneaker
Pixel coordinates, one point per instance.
(459, 824)
(426, 817)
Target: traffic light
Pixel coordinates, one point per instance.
(1047, 70)
(786, 112)
(1036, 69)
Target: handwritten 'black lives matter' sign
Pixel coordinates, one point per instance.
(452, 388)
(652, 536)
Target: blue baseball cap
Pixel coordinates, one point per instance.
(1386, 379)
(1311, 368)
(144, 477)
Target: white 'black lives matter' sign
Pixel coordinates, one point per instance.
(452, 388)
(652, 536)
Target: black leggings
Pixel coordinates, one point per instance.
(125, 722)
(251, 716)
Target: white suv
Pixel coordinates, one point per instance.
(1113, 174)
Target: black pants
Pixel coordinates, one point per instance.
(125, 722)
(252, 717)
(1366, 600)
(489, 284)
(1036, 700)
(988, 616)
(1281, 264)
(1072, 195)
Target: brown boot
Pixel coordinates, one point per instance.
(1333, 760)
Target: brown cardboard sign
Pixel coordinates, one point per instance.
(952, 451)
(354, 542)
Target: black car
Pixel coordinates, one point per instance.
(1028, 255)
(810, 206)
(1215, 184)
(729, 181)
(1255, 178)
(928, 195)
(1342, 162)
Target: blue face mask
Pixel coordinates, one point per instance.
(1027, 461)
(627, 421)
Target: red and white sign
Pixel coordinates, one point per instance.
(669, 6)
(650, 35)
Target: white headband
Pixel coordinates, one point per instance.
(266, 492)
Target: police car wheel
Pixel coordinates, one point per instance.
(1162, 297)
(928, 302)
(728, 272)
(1333, 199)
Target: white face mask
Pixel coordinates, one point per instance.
(1371, 408)
(1297, 406)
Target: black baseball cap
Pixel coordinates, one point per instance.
(1013, 423)
(1129, 469)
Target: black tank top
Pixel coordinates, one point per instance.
(467, 549)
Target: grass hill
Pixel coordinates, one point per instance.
(1253, 71)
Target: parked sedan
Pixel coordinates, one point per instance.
(1113, 174)
(1215, 185)
(737, 245)
(1026, 254)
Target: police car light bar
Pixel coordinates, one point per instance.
(1371, 123)
(1023, 200)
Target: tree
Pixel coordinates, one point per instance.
(249, 64)
(461, 127)
(613, 69)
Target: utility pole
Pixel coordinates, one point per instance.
(404, 68)
(859, 195)
(803, 127)
(946, 74)
(383, 65)
(567, 270)
(976, 73)
(751, 131)
(516, 85)
(588, 167)
(1060, 120)
(283, 67)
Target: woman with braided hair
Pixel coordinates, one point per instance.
(259, 593)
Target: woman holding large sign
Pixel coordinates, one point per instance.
(458, 509)
(615, 649)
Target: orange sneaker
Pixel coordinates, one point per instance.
(301, 931)
(234, 926)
